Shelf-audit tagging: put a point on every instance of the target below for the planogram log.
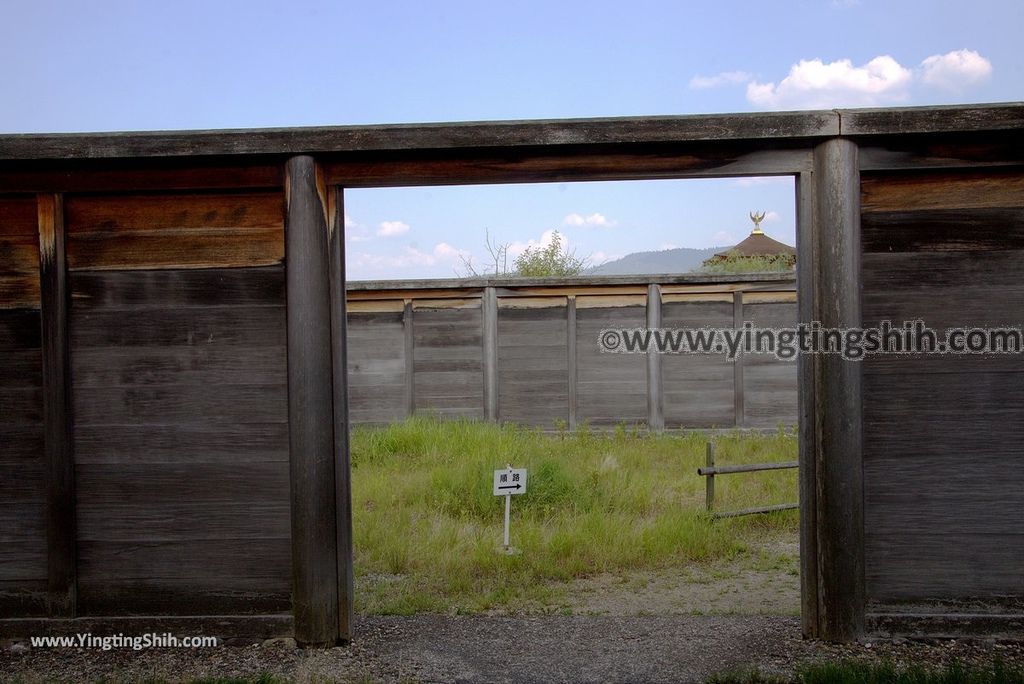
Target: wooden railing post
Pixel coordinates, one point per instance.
(738, 387)
(490, 352)
(342, 461)
(311, 411)
(655, 398)
(55, 300)
(805, 200)
(410, 359)
(570, 349)
(709, 481)
(837, 394)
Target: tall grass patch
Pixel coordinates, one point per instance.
(428, 528)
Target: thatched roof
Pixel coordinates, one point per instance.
(758, 244)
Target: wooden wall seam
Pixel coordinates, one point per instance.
(61, 528)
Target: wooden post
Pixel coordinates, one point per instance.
(342, 461)
(570, 348)
(739, 408)
(410, 359)
(311, 414)
(806, 410)
(55, 300)
(709, 479)
(837, 394)
(490, 352)
(655, 397)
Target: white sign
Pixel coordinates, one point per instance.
(509, 481)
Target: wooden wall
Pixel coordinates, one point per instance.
(549, 367)
(23, 561)
(943, 439)
(178, 367)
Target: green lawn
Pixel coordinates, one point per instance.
(428, 528)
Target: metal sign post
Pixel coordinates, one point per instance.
(507, 482)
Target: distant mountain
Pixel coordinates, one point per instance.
(679, 260)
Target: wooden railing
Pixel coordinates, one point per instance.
(710, 470)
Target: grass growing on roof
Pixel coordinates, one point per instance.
(427, 525)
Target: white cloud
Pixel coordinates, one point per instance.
(724, 238)
(595, 219)
(355, 231)
(518, 247)
(955, 70)
(410, 257)
(815, 84)
(720, 79)
(771, 216)
(600, 257)
(762, 180)
(392, 228)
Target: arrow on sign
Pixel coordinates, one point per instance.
(517, 486)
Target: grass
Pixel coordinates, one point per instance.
(851, 672)
(427, 526)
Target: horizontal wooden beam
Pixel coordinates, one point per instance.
(475, 134)
(939, 119)
(572, 163)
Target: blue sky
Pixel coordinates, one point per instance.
(96, 66)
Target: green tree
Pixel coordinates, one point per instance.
(550, 260)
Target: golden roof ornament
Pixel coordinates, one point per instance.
(757, 217)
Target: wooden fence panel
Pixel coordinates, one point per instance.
(612, 388)
(377, 367)
(698, 387)
(532, 364)
(943, 454)
(448, 360)
(181, 441)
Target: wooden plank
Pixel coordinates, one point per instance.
(655, 391)
(840, 502)
(177, 289)
(61, 529)
(933, 119)
(952, 151)
(174, 230)
(19, 252)
(410, 360)
(975, 189)
(490, 353)
(500, 134)
(709, 160)
(532, 365)
(141, 175)
(232, 326)
(197, 405)
(944, 230)
(208, 442)
(311, 412)
(807, 409)
(571, 357)
(106, 367)
(738, 389)
(164, 601)
(343, 467)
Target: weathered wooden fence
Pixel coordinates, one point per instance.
(527, 351)
(175, 385)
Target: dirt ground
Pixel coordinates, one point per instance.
(767, 582)
(470, 649)
(668, 626)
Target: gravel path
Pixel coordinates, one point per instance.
(435, 648)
